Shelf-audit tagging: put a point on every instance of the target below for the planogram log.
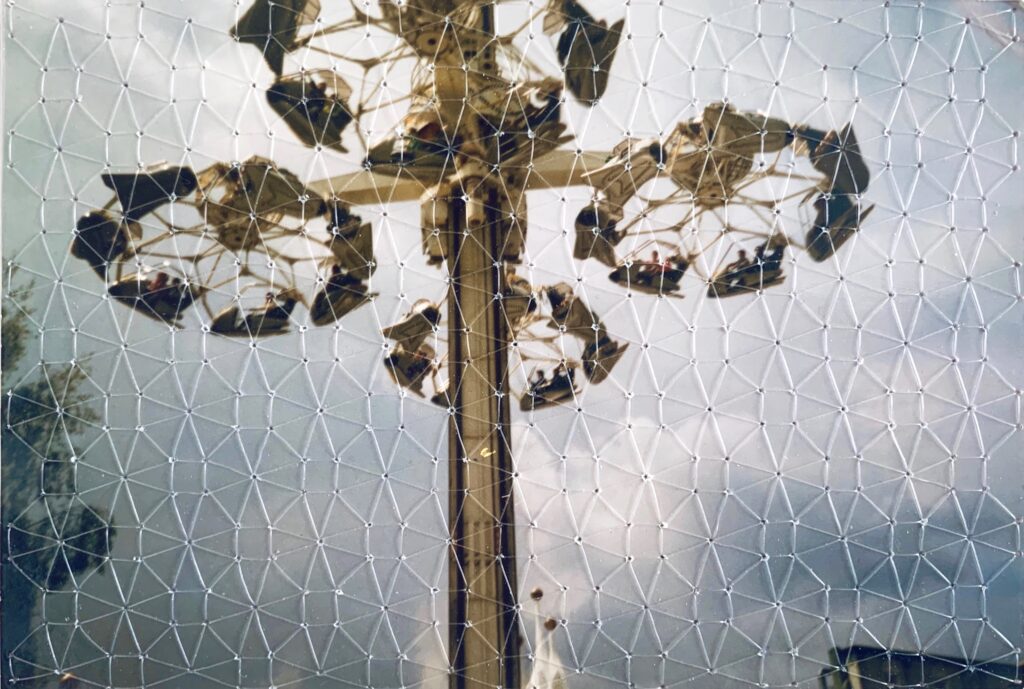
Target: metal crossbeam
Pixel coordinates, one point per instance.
(559, 168)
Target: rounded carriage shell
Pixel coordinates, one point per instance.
(99, 240)
(314, 106)
(141, 192)
(160, 297)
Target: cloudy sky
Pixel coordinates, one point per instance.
(829, 464)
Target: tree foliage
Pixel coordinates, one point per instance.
(51, 537)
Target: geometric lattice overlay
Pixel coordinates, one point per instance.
(815, 478)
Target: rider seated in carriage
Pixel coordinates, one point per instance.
(269, 318)
(746, 275)
(275, 313)
(410, 367)
(313, 105)
(569, 312)
(600, 357)
(161, 296)
(657, 275)
(422, 145)
(544, 392)
(422, 320)
(342, 294)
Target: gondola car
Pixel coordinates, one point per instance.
(156, 294)
(745, 275)
(411, 367)
(314, 105)
(100, 240)
(600, 357)
(519, 301)
(586, 48)
(351, 242)
(568, 312)
(421, 321)
(272, 317)
(273, 26)
(656, 276)
(143, 191)
(342, 294)
(546, 392)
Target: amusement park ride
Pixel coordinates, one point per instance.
(697, 210)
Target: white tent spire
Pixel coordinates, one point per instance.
(547, 672)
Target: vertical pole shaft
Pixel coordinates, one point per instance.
(484, 633)
(484, 636)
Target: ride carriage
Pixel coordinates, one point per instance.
(270, 317)
(839, 213)
(421, 321)
(410, 367)
(837, 219)
(101, 240)
(596, 234)
(143, 191)
(158, 294)
(258, 186)
(519, 302)
(546, 392)
(421, 149)
(314, 105)
(351, 242)
(342, 294)
(654, 276)
(570, 314)
(586, 47)
(600, 357)
(745, 275)
(245, 202)
(273, 26)
(520, 124)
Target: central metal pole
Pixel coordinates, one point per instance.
(484, 634)
(483, 617)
